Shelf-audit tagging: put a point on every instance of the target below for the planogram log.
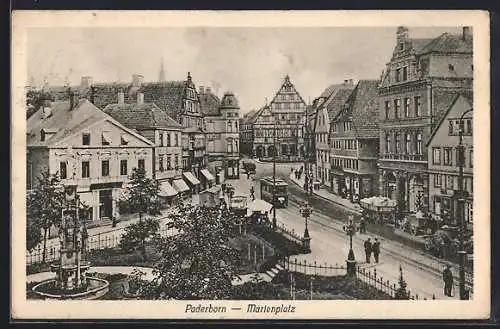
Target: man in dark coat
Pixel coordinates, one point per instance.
(448, 280)
(376, 249)
(368, 250)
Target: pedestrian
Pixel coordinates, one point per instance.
(368, 250)
(248, 174)
(448, 281)
(252, 193)
(362, 226)
(376, 250)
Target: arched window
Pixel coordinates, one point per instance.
(408, 144)
(397, 137)
(387, 143)
(419, 143)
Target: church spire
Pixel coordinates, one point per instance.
(162, 72)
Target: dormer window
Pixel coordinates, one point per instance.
(124, 140)
(401, 46)
(451, 67)
(106, 138)
(86, 139)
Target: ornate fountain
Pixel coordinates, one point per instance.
(71, 281)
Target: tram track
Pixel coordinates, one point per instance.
(437, 273)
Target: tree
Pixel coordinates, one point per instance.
(44, 210)
(35, 99)
(44, 206)
(197, 262)
(136, 234)
(33, 234)
(141, 194)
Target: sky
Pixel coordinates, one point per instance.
(249, 61)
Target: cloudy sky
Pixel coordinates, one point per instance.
(251, 62)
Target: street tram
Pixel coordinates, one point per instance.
(280, 187)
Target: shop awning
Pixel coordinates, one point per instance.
(207, 174)
(191, 178)
(259, 206)
(166, 189)
(180, 185)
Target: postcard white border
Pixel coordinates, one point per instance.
(478, 308)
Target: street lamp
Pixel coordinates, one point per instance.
(460, 195)
(306, 212)
(351, 230)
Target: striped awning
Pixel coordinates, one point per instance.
(207, 174)
(180, 185)
(191, 178)
(166, 189)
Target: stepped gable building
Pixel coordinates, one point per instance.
(288, 111)
(354, 141)
(87, 148)
(222, 135)
(331, 98)
(417, 88)
(154, 124)
(443, 155)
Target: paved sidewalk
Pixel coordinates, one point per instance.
(325, 194)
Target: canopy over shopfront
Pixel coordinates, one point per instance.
(207, 175)
(180, 185)
(191, 178)
(260, 206)
(378, 204)
(166, 190)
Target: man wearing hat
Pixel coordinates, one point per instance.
(448, 281)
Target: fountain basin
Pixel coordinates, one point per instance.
(95, 289)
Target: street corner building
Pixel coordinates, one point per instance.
(418, 86)
(354, 143)
(278, 126)
(222, 127)
(88, 149)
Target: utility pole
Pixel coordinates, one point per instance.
(460, 197)
(274, 174)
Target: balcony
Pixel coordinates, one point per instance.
(403, 157)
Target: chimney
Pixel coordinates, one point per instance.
(137, 80)
(86, 81)
(466, 32)
(140, 98)
(121, 97)
(202, 90)
(208, 90)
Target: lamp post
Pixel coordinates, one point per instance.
(306, 212)
(274, 174)
(351, 230)
(460, 195)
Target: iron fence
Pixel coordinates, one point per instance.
(320, 269)
(94, 242)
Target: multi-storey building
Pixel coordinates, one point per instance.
(288, 111)
(222, 129)
(417, 88)
(246, 133)
(354, 143)
(263, 133)
(154, 124)
(443, 158)
(323, 106)
(87, 148)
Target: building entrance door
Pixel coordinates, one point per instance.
(105, 204)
